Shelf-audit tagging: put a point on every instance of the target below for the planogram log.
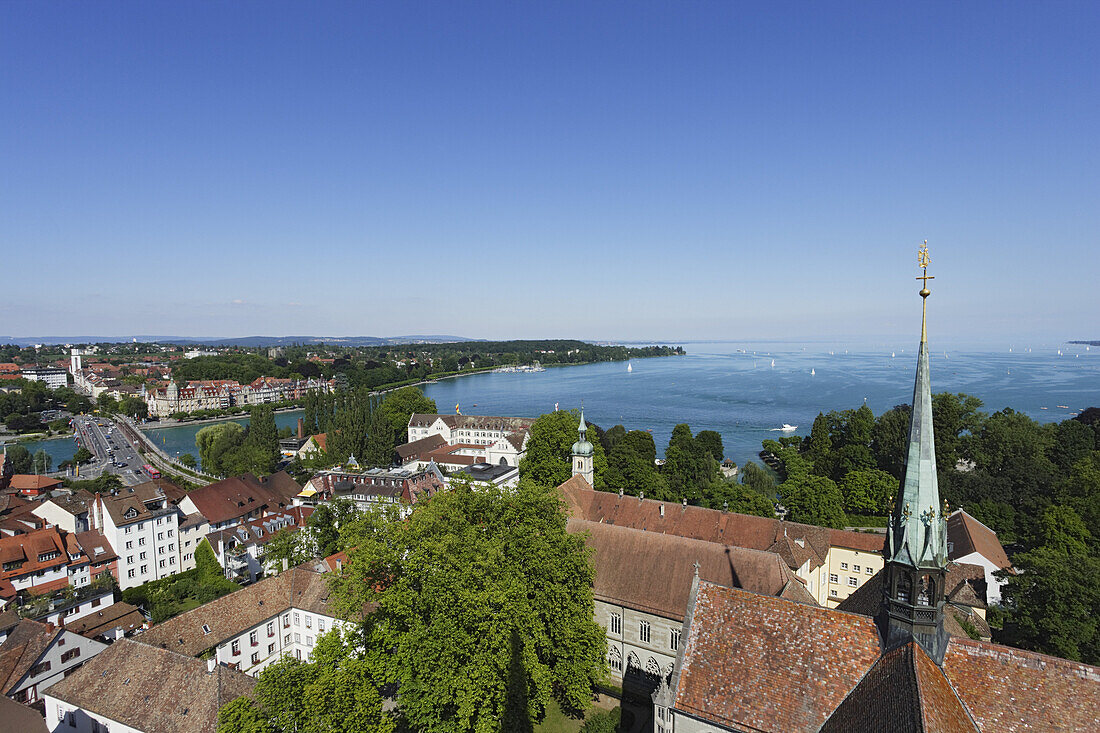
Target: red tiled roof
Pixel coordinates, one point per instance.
(765, 664)
(29, 482)
(21, 650)
(796, 543)
(966, 534)
(234, 497)
(669, 562)
(27, 548)
(1008, 689)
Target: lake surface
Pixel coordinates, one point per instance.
(725, 386)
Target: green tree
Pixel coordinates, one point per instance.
(759, 479)
(107, 403)
(400, 405)
(611, 437)
(286, 548)
(631, 467)
(868, 491)
(731, 496)
(689, 470)
(133, 406)
(890, 440)
(379, 447)
(20, 459)
(818, 444)
(188, 460)
(214, 441)
(813, 500)
(82, 455)
(325, 524)
(548, 460)
(242, 716)
(484, 608)
(709, 441)
(1081, 491)
(42, 461)
(263, 436)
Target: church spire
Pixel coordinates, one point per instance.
(916, 539)
(583, 452)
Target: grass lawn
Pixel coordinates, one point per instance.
(558, 722)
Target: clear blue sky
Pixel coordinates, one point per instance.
(596, 170)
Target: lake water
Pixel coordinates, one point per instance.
(729, 388)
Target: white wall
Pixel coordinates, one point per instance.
(62, 645)
(61, 717)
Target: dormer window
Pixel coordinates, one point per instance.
(130, 513)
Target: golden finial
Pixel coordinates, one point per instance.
(922, 262)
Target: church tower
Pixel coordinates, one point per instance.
(916, 537)
(582, 454)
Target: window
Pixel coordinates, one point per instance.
(297, 638)
(615, 660)
(297, 619)
(309, 641)
(321, 625)
(129, 544)
(309, 622)
(39, 669)
(172, 561)
(870, 571)
(205, 629)
(853, 582)
(160, 550)
(833, 593)
(141, 556)
(833, 578)
(160, 535)
(171, 532)
(171, 546)
(286, 621)
(71, 654)
(144, 569)
(674, 639)
(843, 566)
(253, 639)
(255, 657)
(271, 648)
(141, 540)
(643, 631)
(270, 629)
(286, 639)
(130, 573)
(162, 563)
(236, 647)
(616, 625)
(129, 559)
(128, 528)
(855, 568)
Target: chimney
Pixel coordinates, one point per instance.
(211, 664)
(620, 492)
(662, 510)
(301, 428)
(641, 496)
(685, 503)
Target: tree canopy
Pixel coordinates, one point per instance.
(548, 461)
(484, 608)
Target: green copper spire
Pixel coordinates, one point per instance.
(582, 447)
(916, 537)
(917, 530)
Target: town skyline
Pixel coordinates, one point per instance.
(673, 173)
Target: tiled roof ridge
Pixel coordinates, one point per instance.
(906, 651)
(1026, 657)
(924, 709)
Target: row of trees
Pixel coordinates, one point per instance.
(626, 461)
(482, 615)
(361, 424)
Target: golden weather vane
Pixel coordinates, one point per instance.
(922, 262)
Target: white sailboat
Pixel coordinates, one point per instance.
(629, 367)
(812, 372)
(892, 354)
(773, 362)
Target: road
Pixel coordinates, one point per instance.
(109, 446)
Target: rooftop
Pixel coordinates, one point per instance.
(152, 689)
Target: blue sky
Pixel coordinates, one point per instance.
(593, 170)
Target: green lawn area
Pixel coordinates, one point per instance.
(557, 722)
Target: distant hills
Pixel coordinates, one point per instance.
(248, 341)
(1086, 343)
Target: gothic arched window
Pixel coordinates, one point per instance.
(632, 662)
(615, 659)
(651, 667)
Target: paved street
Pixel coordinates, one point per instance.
(109, 446)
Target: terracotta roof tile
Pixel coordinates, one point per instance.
(152, 689)
(653, 573)
(1008, 689)
(965, 535)
(765, 664)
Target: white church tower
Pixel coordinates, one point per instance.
(582, 454)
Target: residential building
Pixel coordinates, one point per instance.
(66, 511)
(240, 549)
(36, 562)
(168, 398)
(970, 541)
(19, 717)
(487, 439)
(501, 475)
(375, 486)
(36, 655)
(314, 446)
(109, 623)
(52, 377)
(142, 523)
(32, 485)
(832, 563)
(255, 626)
(136, 688)
(235, 500)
